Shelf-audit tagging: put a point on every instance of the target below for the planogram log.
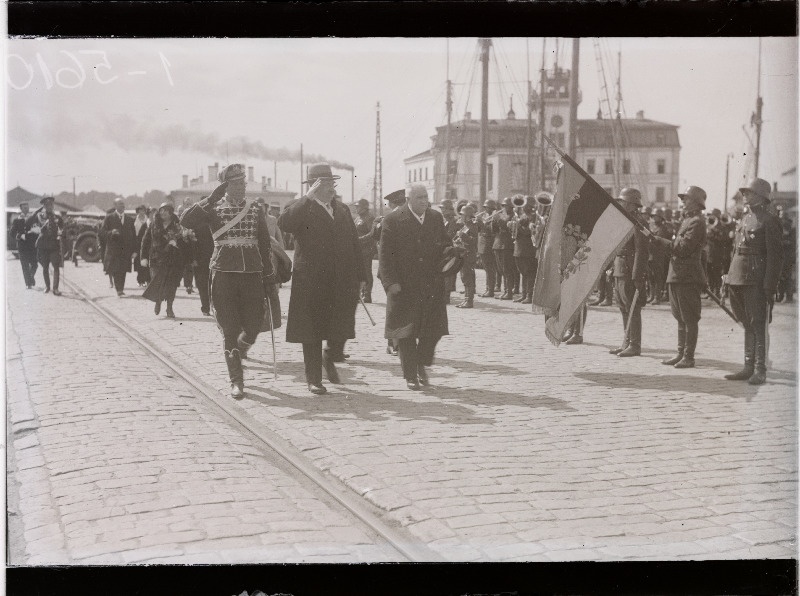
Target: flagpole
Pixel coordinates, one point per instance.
(593, 182)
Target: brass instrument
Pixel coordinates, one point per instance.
(543, 202)
(712, 221)
(725, 219)
(519, 201)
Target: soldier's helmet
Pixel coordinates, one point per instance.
(693, 198)
(460, 205)
(490, 204)
(506, 201)
(758, 187)
(630, 195)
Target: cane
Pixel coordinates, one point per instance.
(272, 335)
(630, 314)
(371, 320)
(766, 335)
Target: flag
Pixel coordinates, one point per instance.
(583, 233)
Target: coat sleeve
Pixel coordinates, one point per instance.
(361, 274)
(639, 271)
(774, 260)
(387, 261)
(265, 248)
(147, 241)
(197, 215)
(692, 240)
(293, 217)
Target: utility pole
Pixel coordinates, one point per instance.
(542, 148)
(757, 115)
(74, 196)
(301, 169)
(529, 138)
(275, 175)
(573, 97)
(449, 106)
(353, 185)
(486, 44)
(727, 165)
(377, 185)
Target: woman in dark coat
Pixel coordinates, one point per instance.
(140, 225)
(328, 269)
(166, 251)
(411, 255)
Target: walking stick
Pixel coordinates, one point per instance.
(371, 320)
(272, 336)
(630, 314)
(766, 335)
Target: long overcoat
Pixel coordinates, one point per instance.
(411, 255)
(327, 270)
(119, 246)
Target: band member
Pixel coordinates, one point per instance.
(485, 243)
(240, 266)
(687, 277)
(467, 236)
(48, 244)
(503, 247)
(26, 237)
(328, 275)
(788, 274)
(120, 244)
(630, 276)
(413, 244)
(451, 227)
(364, 222)
(658, 257)
(715, 250)
(753, 278)
(395, 200)
(524, 251)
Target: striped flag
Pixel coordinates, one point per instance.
(585, 229)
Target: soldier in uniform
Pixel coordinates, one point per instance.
(789, 242)
(656, 259)
(715, 249)
(686, 278)
(364, 222)
(467, 236)
(485, 243)
(524, 251)
(630, 277)
(503, 247)
(26, 237)
(240, 267)
(753, 278)
(451, 227)
(48, 245)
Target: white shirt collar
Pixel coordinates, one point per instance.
(326, 206)
(420, 218)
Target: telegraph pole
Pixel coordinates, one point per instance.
(573, 97)
(377, 185)
(486, 44)
(542, 148)
(449, 106)
(529, 138)
(301, 169)
(757, 116)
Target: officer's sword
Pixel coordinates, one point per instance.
(272, 336)
(371, 320)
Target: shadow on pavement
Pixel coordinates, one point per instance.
(677, 382)
(472, 367)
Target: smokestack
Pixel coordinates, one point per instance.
(250, 174)
(185, 181)
(640, 115)
(213, 171)
(269, 182)
(774, 187)
(263, 180)
(468, 116)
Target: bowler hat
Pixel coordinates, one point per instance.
(759, 187)
(235, 171)
(45, 199)
(320, 170)
(397, 197)
(693, 197)
(630, 195)
(452, 261)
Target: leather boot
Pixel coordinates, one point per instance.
(688, 353)
(244, 347)
(330, 368)
(528, 299)
(681, 346)
(469, 298)
(631, 350)
(760, 365)
(488, 294)
(234, 361)
(507, 296)
(575, 340)
(749, 359)
(170, 312)
(621, 348)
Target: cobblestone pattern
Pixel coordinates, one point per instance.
(524, 451)
(117, 462)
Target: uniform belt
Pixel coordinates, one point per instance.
(749, 250)
(236, 242)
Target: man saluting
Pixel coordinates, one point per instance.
(413, 245)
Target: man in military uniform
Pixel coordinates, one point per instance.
(789, 242)
(715, 248)
(503, 247)
(364, 221)
(240, 266)
(48, 245)
(630, 278)
(485, 243)
(686, 278)
(656, 259)
(524, 251)
(753, 278)
(467, 236)
(26, 237)
(451, 227)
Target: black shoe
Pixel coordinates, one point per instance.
(575, 340)
(189, 290)
(56, 293)
(205, 312)
(685, 362)
(317, 388)
(742, 375)
(367, 299)
(674, 360)
(487, 294)
(759, 378)
(422, 376)
(606, 303)
(630, 351)
(618, 350)
(237, 390)
(170, 313)
(412, 384)
(47, 290)
(330, 369)
(157, 308)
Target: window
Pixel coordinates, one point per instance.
(489, 176)
(409, 175)
(426, 173)
(659, 194)
(453, 167)
(661, 140)
(590, 166)
(415, 175)
(661, 166)
(518, 177)
(609, 169)
(626, 166)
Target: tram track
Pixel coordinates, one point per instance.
(269, 442)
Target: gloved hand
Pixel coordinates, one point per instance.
(217, 194)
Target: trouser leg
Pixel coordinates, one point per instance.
(188, 276)
(498, 261)
(367, 293)
(46, 272)
(56, 273)
(335, 348)
(510, 273)
(119, 280)
(201, 275)
(490, 267)
(426, 348)
(407, 348)
(312, 359)
(622, 302)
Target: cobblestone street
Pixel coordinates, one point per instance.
(519, 451)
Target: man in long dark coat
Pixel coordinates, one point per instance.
(328, 275)
(48, 244)
(364, 223)
(413, 245)
(686, 278)
(26, 237)
(120, 244)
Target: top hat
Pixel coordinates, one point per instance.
(397, 197)
(320, 170)
(759, 187)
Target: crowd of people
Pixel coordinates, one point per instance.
(231, 247)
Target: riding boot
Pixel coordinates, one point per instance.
(749, 358)
(170, 312)
(469, 298)
(760, 365)
(244, 346)
(691, 343)
(234, 361)
(635, 336)
(681, 346)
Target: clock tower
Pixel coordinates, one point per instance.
(556, 116)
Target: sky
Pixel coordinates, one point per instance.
(130, 115)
